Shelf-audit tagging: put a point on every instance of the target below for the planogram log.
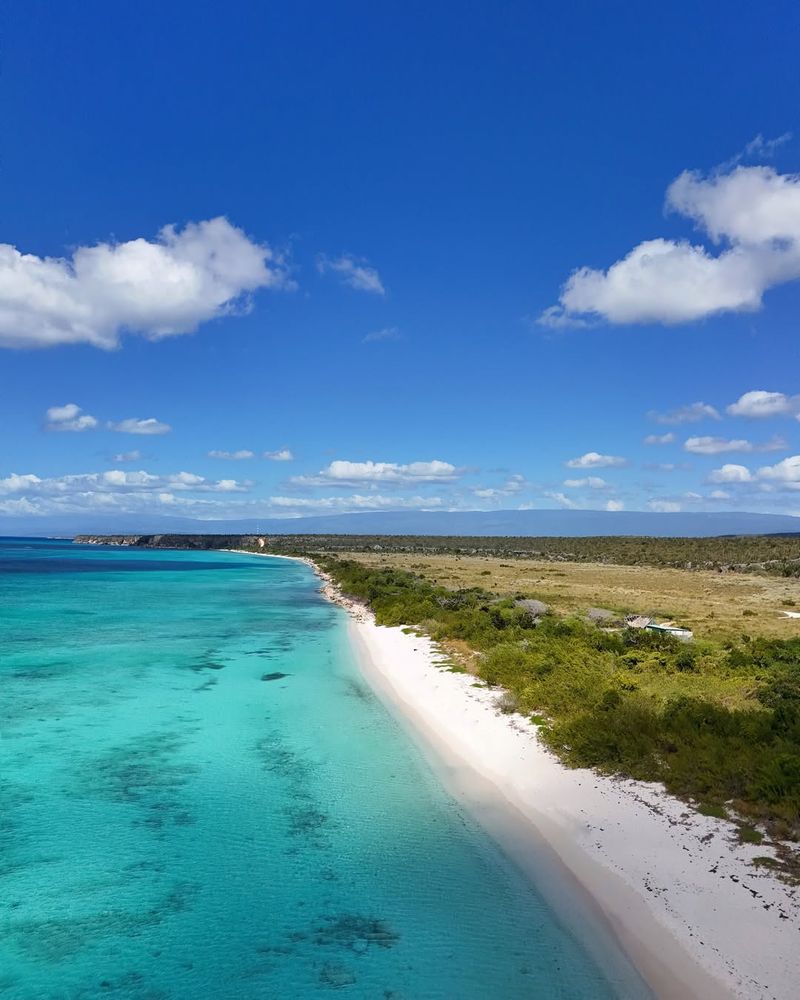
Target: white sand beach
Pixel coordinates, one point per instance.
(670, 888)
(677, 891)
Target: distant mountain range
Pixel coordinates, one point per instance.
(477, 522)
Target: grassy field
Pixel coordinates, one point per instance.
(715, 605)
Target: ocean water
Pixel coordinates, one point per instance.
(201, 799)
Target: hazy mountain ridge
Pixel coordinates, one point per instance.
(487, 523)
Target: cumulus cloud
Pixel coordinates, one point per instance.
(589, 482)
(343, 473)
(282, 455)
(690, 414)
(121, 491)
(233, 456)
(593, 460)
(135, 425)
(730, 474)
(353, 271)
(116, 480)
(615, 505)
(156, 288)
(69, 417)
(758, 404)
(786, 473)
(718, 446)
(783, 476)
(660, 438)
(752, 213)
(664, 506)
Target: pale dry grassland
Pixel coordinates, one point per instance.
(714, 605)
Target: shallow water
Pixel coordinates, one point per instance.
(201, 798)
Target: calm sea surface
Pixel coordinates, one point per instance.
(201, 798)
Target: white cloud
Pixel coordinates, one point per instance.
(127, 456)
(753, 211)
(719, 495)
(615, 505)
(730, 474)
(759, 146)
(514, 484)
(116, 481)
(660, 438)
(135, 425)
(758, 403)
(783, 476)
(69, 417)
(718, 446)
(355, 272)
(589, 482)
(555, 318)
(562, 499)
(690, 414)
(785, 472)
(282, 455)
(157, 288)
(233, 456)
(664, 506)
(387, 333)
(593, 460)
(16, 483)
(343, 473)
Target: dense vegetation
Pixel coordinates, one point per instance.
(718, 724)
(778, 554)
(771, 553)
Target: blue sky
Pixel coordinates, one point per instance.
(379, 215)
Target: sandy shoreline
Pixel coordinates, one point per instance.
(670, 886)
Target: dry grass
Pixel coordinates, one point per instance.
(718, 605)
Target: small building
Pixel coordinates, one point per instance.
(638, 621)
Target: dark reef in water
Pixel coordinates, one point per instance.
(356, 932)
(277, 676)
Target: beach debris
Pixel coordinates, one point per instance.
(790, 614)
(276, 676)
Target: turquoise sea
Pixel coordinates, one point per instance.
(201, 799)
